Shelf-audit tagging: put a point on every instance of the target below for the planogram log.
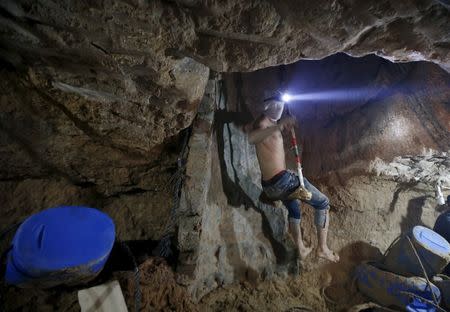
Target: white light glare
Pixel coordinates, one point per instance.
(286, 97)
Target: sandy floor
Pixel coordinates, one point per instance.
(316, 288)
(312, 290)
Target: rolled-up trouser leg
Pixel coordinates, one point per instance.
(294, 212)
(320, 203)
(320, 217)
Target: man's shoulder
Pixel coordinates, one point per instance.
(262, 122)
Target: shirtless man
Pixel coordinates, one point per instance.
(278, 183)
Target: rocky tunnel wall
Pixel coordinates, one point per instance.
(225, 233)
(396, 115)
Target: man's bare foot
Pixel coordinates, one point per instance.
(328, 254)
(304, 252)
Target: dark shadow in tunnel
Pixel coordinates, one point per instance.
(234, 193)
(441, 208)
(342, 288)
(121, 259)
(395, 198)
(236, 196)
(241, 270)
(413, 214)
(401, 187)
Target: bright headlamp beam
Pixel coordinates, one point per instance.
(286, 97)
(328, 95)
(348, 94)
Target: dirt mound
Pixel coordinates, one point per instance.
(275, 295)
(160, 291)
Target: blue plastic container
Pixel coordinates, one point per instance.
(417, 305)
(62, 245)
(390, 289)
(442, 227)
(432, 248)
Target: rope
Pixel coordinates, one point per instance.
(353, 290)
(435, 303)
(370, 305)
(137, 278)
(423, 271)
(422, 298)
(325, 296)
(176, 181)
(392, 244)
(443, 276)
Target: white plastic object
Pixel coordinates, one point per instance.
(439, 196)
(102, 298)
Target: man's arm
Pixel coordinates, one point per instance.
(259, 133)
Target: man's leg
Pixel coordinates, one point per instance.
(296, 233)
(322, 218)
(320, 203)
(294, 216)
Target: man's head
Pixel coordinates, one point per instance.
(273, 110)
(273, 106)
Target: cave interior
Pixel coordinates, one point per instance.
(143, 110)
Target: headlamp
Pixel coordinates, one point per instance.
(286, 97)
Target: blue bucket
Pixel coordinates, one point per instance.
(62, 245)
(432, 248)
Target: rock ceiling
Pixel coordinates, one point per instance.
(114, 79)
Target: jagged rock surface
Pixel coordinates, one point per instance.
(92, 86)
(430, 168)
(139, 36)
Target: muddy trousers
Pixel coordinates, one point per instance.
(283, 184)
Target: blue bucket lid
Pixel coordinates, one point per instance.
(432, 241)
(60, 238)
